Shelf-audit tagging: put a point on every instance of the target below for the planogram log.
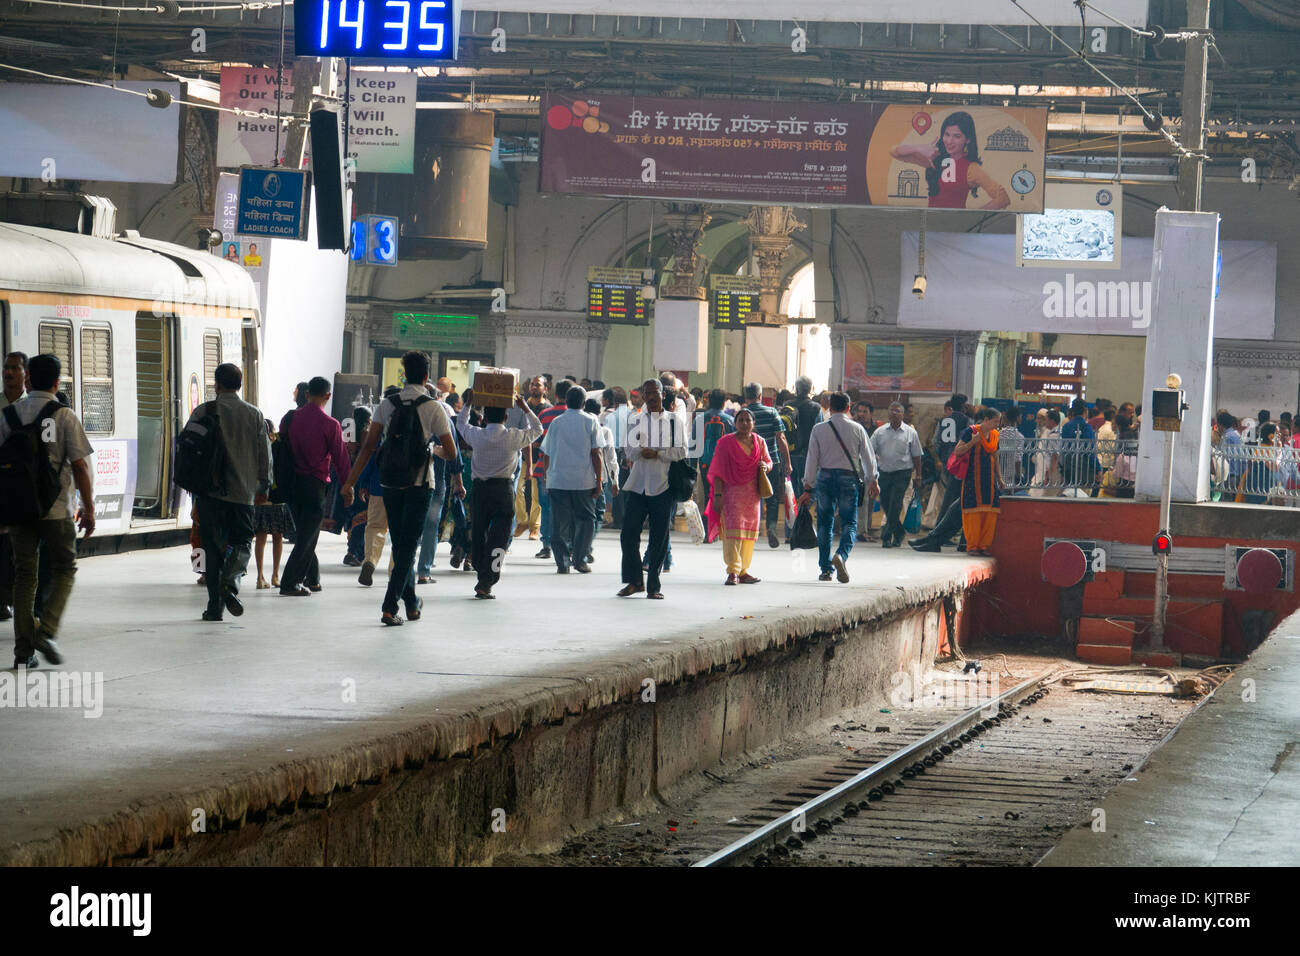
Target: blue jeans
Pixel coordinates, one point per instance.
(433, 523)
(836, 489)
(544, 501)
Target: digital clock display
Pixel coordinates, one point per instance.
(377, 29)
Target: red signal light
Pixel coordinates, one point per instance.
(1162, 543)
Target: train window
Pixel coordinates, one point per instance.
(55, 338)
(97, 379)
(211, 359)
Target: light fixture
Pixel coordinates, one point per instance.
(1173, 380)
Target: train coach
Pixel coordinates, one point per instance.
(139, 327)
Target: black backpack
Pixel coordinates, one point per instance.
(405, 454)
(29, 483)
(201, 454)
(282, 468)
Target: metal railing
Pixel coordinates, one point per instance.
(1069, 467)
(1256, 474)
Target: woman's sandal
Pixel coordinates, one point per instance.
(656, 595)
(262, 585)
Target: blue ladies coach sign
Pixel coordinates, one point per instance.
(273, 202)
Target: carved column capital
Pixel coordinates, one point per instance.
(769, 229)
(686, 224)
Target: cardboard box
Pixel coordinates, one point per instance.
(495, 387)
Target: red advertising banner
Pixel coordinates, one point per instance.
(752, 151)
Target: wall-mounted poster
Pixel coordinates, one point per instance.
(883, 366)
(847, 154)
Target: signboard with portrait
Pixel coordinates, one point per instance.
(755, 151)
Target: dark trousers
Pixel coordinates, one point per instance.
(308, 508)
(492, 513)
(772, 506)
(951, 497)
(573, 514)
(226, 532)
(58, 538)
(893, 487)
(636, 510)
(949, 523)
(407, 509)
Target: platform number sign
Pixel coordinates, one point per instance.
(374, 240)
(377, 29)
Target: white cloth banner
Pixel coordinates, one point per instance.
(974, 285)
(1054, 13)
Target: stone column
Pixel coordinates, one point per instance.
(686, 223)
(770, 228)
(963, 363)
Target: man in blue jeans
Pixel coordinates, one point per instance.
(840, 458)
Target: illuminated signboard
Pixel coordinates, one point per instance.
(733, 298)
(1062, 375)
(374, 240)
(435, 330)
(380, 29)
(614, 295)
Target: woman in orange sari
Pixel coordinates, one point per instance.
(734, 506)
(979, 489)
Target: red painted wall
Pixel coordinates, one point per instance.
(1019, 601)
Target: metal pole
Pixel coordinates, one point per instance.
(1162, 560)
(1196, 64)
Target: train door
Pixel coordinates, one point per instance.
(249, 357)
(157, 401)
(5, 336)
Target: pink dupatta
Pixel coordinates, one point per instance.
(734, 467)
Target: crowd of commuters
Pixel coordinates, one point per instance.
(572, 457)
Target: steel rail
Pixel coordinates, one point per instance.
(772, 834)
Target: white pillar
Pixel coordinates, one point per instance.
(1181, 339)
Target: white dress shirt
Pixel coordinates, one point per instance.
(496, 447)
(895, 447)
(661, 431)
(825, 452)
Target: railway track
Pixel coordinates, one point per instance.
(995, 785)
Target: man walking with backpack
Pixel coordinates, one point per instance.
(408, 422)
(43, 454)
(244, 479)
(316, 441)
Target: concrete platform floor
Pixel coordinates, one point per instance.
(1224, 790)
(189, 704)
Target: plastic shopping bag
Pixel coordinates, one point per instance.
(912, 521)
(694, 523)
(791, 504)
(803, 536)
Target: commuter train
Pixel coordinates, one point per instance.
(139, 327)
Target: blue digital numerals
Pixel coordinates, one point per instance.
(374, 240)
(387, 28)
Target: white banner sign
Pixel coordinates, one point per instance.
(57, 131)
(975, 286)
(1054, 13)
(381, 136)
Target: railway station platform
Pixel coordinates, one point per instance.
(304, 732)
(1223, 790)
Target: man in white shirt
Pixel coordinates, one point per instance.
(68, 454)
(574, 473)
(898, 456)
(493, 466)
(654, 442)
(406, 498)
(840, 460)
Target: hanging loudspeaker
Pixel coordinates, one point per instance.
(327, 177)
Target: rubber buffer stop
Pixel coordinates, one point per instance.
(1259, 571)
(1064, 564)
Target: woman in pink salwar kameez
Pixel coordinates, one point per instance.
(734, 508)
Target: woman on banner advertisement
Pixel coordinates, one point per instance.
(959, 175)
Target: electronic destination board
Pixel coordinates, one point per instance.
(614, 295)
(377, 29)
(733, 298)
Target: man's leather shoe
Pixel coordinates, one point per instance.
(48, 649)
(413, 611)
(544, 553)
(29, 663)
(771, 540)
(367, 575)
(212, 615)
(298, 591)
(234, 605)
(391, 620)
(314, 588)
(581, 568)
(924, 544)
(457, 555)
(825, 576)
